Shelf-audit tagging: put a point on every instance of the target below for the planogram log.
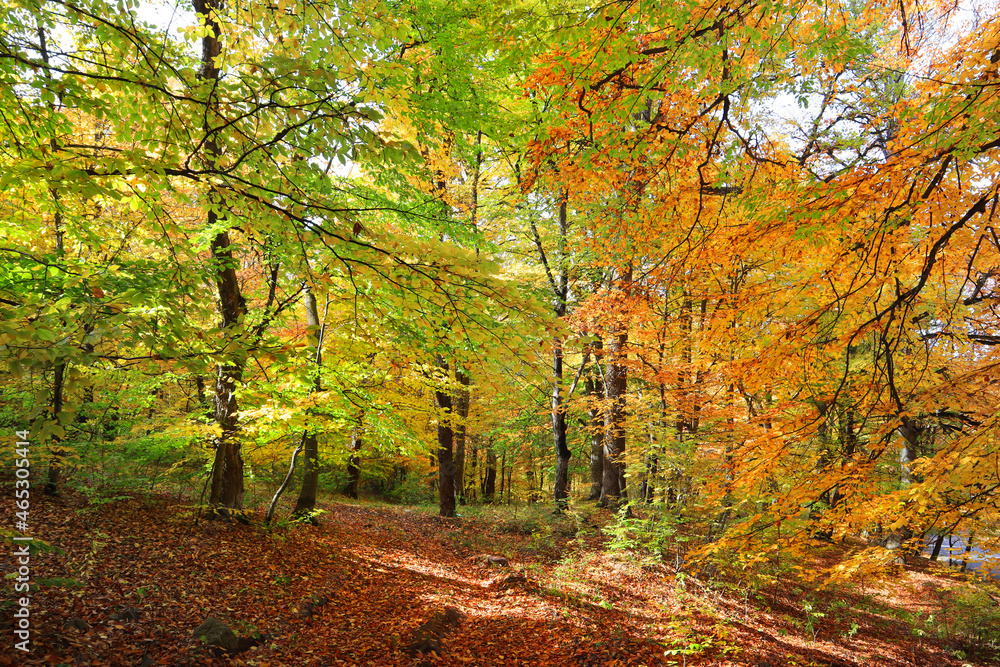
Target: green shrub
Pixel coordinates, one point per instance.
(970, 612)
(658, 533)
(414, 489)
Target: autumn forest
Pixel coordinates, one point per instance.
(702, 295)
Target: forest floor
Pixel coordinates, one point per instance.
(135, 577)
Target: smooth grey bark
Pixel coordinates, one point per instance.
(306, 502)
(908, 454)
(284, 483)
(309, 443)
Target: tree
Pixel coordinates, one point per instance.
(242, 135)
(306, 502)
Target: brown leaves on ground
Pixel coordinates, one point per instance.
(354, 590)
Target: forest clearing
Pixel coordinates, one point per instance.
(538, 332)
(137, 577)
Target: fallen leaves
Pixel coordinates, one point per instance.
(350, 591)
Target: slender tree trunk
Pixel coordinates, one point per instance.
(595, 397)
(907, 455)
(613, 479)
(616, 386)
(306, 503)
(462, 409)
(510, 482)
(652, 468)
(309, 443)
(938, 543)
(205, 404)
(613, 483)
(285, 482)
(817, 509)
(56, 460)
(558, 277)
(490, 480)
(728, 477)
(563, 454)
(445, 452)
(683, 374)
(354, 461)
(529, 477)
(503, 474)
(472, 470)
(968, 550)
(848, 443)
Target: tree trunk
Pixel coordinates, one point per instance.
(563, 454)
(616, 386)
(683, 426)
(56, 460)
(306, 503)
(503, 474)
(354, 461)
(472, 470)
(938, 543)
(284, 483)
(613, 479)
(558, 277)
(648, 489)
(907, 455)
(594, 399)
(490, 480)
(849, 443)
(529, 477)
(204, 403)
(968, 550)
(460, 429)
(227, 471)
(445, 453)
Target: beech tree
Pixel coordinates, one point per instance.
(239, 132)
(764, 235)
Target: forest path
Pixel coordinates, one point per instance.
(349, 592)
(353, 591)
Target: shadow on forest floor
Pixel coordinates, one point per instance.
(379, 572)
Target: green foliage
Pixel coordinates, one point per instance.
(659, 532)
(968, 612)
(98, 497)
(35, 545)
(154, 462)
(414, 489)
(813, 616)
